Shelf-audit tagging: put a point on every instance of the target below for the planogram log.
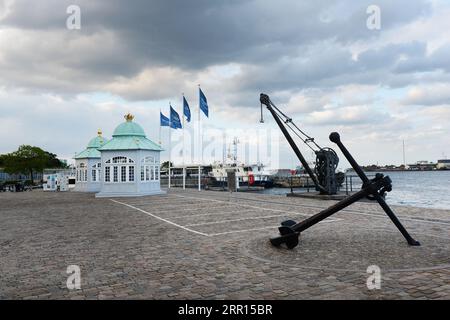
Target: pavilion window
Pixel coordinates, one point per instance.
(152, 170)
(119, 160)
(115, 174)
(82, 172)
(131, 173)
(120, 173)
(147, 173)
(123, 174)
(157, 173)
(149, 159)
(96, 172)
(107, 174)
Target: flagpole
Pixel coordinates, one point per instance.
(160, 142)
(200, 143)
(170, 145)
(184, 168)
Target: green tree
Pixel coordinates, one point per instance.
(165, 165)
(28, 159)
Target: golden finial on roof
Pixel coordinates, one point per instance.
(99, 132)
(129, 117)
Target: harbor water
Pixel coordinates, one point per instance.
(427, 189)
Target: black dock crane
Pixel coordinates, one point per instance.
(374, 189)
(324, 177)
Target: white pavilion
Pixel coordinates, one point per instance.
(130, 163)
(88, 166)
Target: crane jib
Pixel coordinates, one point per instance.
(324, 177)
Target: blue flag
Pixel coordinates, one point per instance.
(186, 110)
(203, 103)
(163, 120)
(175, 122)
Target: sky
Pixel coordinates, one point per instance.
(318, 60)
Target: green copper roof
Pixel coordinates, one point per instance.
(131, 143)
(88, 153)
(129, 128)
(97, 142)
(130, 136)
(92, 148)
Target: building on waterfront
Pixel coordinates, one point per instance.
(88, 172)
(7, 177)
(443, 164)
(59, 179)
(422, 166)
(130, 163)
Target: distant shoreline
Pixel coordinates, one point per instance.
(396, 170)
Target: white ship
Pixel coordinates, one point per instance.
(247, 175)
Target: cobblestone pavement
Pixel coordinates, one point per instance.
(213, 245)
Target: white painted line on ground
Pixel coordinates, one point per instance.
(254, 229)
(186, 208)
(240, 231)
(162, 219)
(173, 203)
(379, 215)
(206, 214)
(241, 219)
(239, 204)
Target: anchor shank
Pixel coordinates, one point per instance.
(334, 137)
(371, 188)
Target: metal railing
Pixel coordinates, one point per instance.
(354, 182)
(351, 183)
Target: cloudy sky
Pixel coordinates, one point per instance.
(317, 60)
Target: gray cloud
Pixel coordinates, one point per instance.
(122, 39)
(437, 60)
